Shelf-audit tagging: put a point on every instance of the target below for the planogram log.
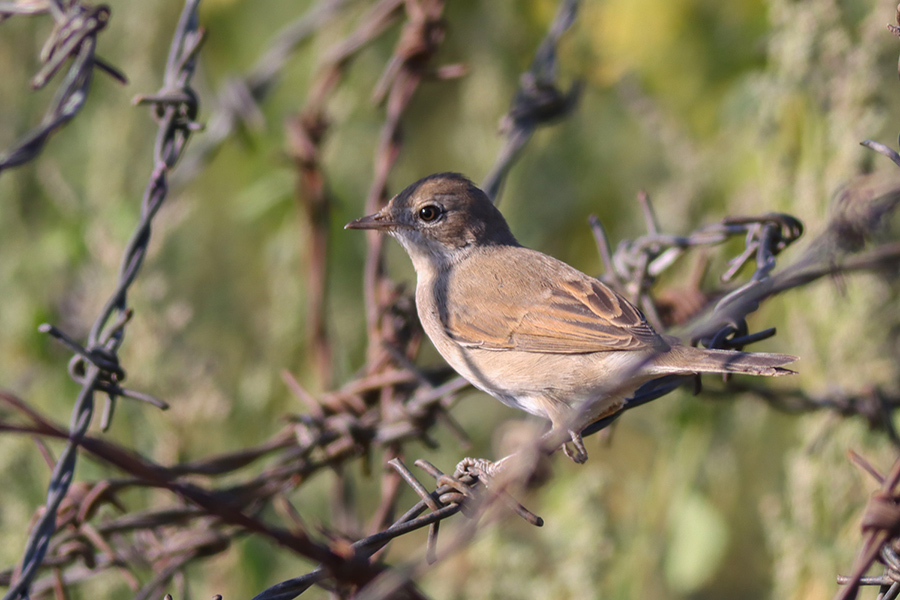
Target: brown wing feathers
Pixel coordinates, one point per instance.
(580, 315)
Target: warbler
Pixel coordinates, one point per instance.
(528, 329)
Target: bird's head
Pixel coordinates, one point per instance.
(442, 216)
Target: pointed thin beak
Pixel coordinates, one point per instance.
(379, 220)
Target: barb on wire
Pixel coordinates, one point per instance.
(74, 38)
(718, 318)
(881, 535)
(538, 101)
(636, 264)
(452, 495)
(175, 117)
(482, 497)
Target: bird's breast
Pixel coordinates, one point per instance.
(431, 305)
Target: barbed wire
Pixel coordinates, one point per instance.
(74, 37)
(391, 402)
(881, 519)
(717, 318)
(419, 40)
(880, 529)
(334, 432)
(338, 437)
(538, 101)
(638, 263)
(305, 446)
(96, 365)
(306, 133)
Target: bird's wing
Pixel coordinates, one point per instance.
(534, 303)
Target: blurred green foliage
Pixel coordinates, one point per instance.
(715, 108)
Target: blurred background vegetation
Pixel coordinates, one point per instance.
(715, 108)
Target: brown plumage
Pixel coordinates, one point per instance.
(525, 327)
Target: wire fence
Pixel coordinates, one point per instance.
(96, 365)
(391, 402)
(74, 37)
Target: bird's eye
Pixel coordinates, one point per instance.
(429, 213)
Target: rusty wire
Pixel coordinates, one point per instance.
(305, 445)
(391, 402)
(419, 40)
(306, 132)
(881, 537)
(96, 365)
(74, 37)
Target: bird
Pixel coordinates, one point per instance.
(528, 329)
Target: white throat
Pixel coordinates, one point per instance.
(429, 256)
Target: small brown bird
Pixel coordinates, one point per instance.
(526, 328)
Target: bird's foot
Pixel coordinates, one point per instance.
(575, 449)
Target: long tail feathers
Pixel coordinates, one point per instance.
(687, 359)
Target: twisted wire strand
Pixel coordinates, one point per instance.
(74, 37)
(175, 107)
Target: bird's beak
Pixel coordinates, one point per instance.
(380, 220)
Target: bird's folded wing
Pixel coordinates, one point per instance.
(576, 315)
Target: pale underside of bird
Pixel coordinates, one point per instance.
(526, 328)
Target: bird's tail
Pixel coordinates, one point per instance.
(684, 360)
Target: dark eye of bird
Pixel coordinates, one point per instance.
(429, 213)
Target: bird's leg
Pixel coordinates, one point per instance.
(575, 449)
